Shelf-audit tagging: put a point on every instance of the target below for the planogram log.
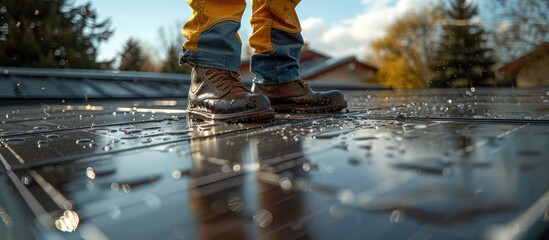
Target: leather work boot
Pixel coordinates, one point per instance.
(297, 96)
(218, 95)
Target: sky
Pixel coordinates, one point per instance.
(336, 28)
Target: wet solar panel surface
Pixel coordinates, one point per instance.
(437, 164)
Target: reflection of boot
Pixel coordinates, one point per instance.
(297, 96)
(218, 95)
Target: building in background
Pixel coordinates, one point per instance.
(318, 67)
(530, 70)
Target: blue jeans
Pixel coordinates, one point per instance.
(212, 39)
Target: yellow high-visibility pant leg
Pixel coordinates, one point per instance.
(212, 39)
(211, 32)
(276, 39)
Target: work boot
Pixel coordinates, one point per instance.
(297, 96)
(219, 95)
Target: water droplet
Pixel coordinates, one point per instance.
(336, 210)
(306, 167)
(107, 148)
(446, 171)
(236, 204)
(84, 141)
(68, 222)
(131, 131)
(41, 128)
(52, 136)
(152, 201)
(116, 213)
(126, 188)
(115, 186)
(25, 180)
(263, 218)
(42, 143)
(285, 183)
(176, 174)
(90, 173)
(237, 167)
(346, 197)
(114, 114)
(449, 101)
(7, 71)
(225, 168)
(396, 216)
(473, 89)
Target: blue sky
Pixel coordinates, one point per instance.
(335, 27)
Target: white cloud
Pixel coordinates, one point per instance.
(352, 36)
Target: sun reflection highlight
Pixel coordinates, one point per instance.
(68, 222)
(90, 173)
(150, 110)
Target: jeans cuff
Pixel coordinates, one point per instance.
(287, 77)
(207, 59)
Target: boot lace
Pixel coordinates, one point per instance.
(226, 81)
(303, 84)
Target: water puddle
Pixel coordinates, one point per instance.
(333, 134)
(432, 167)
(52, 136)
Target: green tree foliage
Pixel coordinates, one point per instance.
(133, 57)
(51, 34)
(462, 59)
(405, 52)
(523, 26)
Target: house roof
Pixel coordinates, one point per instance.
(315, 67)
(313, 63)
(36, 83)
(514, 66)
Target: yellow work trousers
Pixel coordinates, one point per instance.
(213, 41)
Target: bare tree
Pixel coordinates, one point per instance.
(170, 47)
(522, 26)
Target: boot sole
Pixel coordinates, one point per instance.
(308, 109)
(197, 116)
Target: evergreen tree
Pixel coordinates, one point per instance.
(171, 63)
(462, 60)
(51, 34)
(133, 57)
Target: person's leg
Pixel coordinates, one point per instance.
(211, 32)
(213, 50)
(277, 42)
